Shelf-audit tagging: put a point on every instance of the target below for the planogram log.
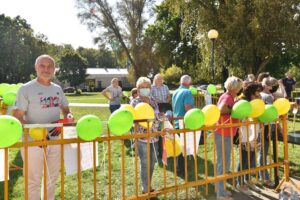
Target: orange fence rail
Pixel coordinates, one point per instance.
(110, 179)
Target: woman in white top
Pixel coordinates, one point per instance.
(248, 137)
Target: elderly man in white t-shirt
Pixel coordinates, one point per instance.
(39, 102)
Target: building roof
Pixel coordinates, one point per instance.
(107, 71)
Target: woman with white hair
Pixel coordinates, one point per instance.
(143, 86)
(160, 92)
(233, 86)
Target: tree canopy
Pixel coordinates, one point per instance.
(72, 68)
(124, 23)
(254, 36)
(19, 49)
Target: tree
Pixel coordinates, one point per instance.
(72, 68)
(19, 49)
(100, 15)
(96, 58)
(171, 46)
(172, 75)
(255, 36)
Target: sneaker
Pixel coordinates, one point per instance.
(253, 187)
(269, 183)
(224, 198)
(244, 189)
(228, 193)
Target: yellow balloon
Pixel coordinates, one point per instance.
(170, 148)
(211, 113)
(37, 133)
(282, 105)
(258, 108)
(144, 111)
(130, 108)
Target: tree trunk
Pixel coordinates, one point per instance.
(262, 65)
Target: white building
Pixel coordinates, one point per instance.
(99, 78)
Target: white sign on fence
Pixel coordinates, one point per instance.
(70, 153)
(189, 138)
(2, 161)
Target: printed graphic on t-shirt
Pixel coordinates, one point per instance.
(49, 102)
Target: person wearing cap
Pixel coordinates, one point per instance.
(182, 101)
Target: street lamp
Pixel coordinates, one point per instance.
(213, 35)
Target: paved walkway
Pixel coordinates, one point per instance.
(264, 194)
(99, 105)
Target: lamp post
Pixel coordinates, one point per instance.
(213, 35)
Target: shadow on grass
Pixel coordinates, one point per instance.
(13, 177)
(191, 165)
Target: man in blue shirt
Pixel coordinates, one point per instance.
(182, 101)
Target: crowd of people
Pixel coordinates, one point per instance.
(41, 101)
(263, 87)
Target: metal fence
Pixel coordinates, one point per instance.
(200, 168)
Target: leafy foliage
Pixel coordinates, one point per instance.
(19, 49)
(124, 23)
(72, 68)
(172, 75)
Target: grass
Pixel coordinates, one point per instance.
(16, 182)
(93, 97)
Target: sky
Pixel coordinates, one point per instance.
(57, 19)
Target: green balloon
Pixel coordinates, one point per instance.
(14, 87)
(193, 90)
(194, 119)
(126, 93)
(241, 109)
(9, 98)
(89, 127)
(120, 122)
(212, 89)
(3, 88)
(10, 131)
(269, 115)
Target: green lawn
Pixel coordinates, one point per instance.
(93, 97)
(16, 186)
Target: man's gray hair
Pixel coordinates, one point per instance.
(44, 56)
(185, 79)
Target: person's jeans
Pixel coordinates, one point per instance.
(112, 108)
(227, 147)
(244, 158)
(262, 160)
(143, 155)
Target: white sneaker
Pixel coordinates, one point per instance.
(244, 189)
(253, 187)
